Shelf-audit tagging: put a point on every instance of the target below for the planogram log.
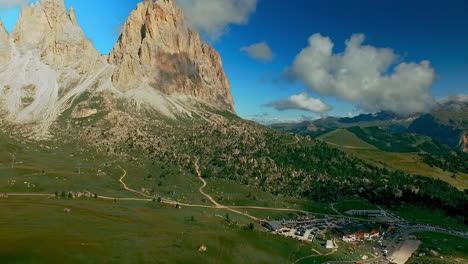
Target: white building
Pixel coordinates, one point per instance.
(370, 213)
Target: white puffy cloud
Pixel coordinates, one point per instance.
(458, 98)
(301, 102)
(260, 51)
(211, 17)
(266, 119)
(364, 75)
(454, 102)
(12, 3)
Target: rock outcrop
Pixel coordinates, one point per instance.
(158, 49)
(5, 48)
(463, 144)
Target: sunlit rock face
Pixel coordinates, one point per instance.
(157, 49)
(48, 30)
(47, 66)
(5, 47)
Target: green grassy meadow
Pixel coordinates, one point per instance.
(452, 249)
(421, 215)
(38, 231)
(230, 193)
(407, 162)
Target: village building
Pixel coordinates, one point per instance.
(367, 213)
(360, 232)
(274, 225)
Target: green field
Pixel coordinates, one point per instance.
(38, 231)
(344, 138)
(231, 193)
(417, 214)
(407, 162)
(452, 250)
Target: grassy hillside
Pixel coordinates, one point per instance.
(408, 162)
(344, 138)
(242, 163)
(99, 231)
(129, 232)
(431, 151)
(453, 249)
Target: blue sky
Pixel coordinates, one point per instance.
(415, 30)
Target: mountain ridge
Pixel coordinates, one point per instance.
(158, 49)
(447, 123)
(44, 73)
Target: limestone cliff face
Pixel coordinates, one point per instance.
(49, 64)
(46, 28)
(158, 49)
(159, 66)
(4, 45)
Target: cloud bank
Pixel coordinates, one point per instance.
(266, 119)
(301, 102)
(364, 75)
(212, 17)
(260, 51)
(12, 3)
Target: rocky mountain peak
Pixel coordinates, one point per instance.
(4, 45)
(3, 32)
(157, 49)
(159, 66)
(46, 28)
(50, 64)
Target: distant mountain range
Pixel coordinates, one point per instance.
(447, 123)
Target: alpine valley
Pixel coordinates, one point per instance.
(139, 157)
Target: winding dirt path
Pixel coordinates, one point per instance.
(209, 197)
(163, 200)
(216, 204)
(32, 194)
(332, 205)
(297, 141)
(315, 255)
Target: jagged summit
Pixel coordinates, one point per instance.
(47, 66)
(3, 32)
(48, 29)
(159, 50)
(4, 44)
(50, 64)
